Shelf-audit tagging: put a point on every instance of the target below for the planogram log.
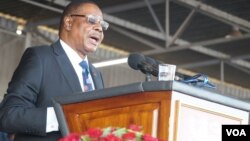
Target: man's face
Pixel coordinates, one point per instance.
(85, 36)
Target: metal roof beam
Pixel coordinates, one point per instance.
(240, 68)
(60, 2)
(129, 6)
(149, 32)
(185, 45)
(137, 38)
(182, 28)
(213, 61)
(152, 12)
(199, 64)
(134, 27)
(242, 57)
(43, 6)
(167, 21)
(217, 14)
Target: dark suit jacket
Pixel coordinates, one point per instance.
(43, 73)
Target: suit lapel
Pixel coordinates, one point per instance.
(97, 79)
(66, 67)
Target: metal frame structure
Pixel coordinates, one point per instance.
(172, 43)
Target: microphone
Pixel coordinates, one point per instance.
(153, 66)
(135, 61)
(147, 65)
(139, 62)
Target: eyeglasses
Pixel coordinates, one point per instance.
(94, 20)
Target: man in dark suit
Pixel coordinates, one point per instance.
(4, 137)
(45, 72)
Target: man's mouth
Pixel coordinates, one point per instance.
(94, 39)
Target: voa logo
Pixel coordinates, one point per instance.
(236, 132)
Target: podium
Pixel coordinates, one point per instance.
(171, 111)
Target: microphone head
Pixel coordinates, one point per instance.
(134, 60)
(153, 66)
(151, 61)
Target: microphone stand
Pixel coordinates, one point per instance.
(148, 77)
(146, 70)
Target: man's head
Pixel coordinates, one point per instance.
(82, 27)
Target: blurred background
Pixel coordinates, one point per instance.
(198, 36)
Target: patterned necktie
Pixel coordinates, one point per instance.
(85, 73)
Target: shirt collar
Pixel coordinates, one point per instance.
(72, 55)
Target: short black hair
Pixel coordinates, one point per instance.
(71, 8)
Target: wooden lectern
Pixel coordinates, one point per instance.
(171, 111)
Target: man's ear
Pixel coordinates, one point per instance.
(68, 23)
